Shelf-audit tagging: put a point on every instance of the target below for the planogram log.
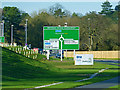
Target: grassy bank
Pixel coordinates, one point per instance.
(117, 86)
(22, 72)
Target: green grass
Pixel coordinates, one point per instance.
(117, 86)
(108, 74)
(22, 72)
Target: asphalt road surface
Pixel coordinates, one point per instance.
(110, 62)
(103, 84)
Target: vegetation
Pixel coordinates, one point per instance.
(106, 8)
(21, 72)
(117, 86)
(101, 28)
(18, 71)
(13, 16)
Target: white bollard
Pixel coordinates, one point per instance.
(24, 52)
(9, 48)
(20, 52)
(29, 52)
(16, 50)
(28, 55)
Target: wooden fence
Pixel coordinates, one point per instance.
(97, 54)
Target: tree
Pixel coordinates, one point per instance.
(13, 16)
(99, 29)
(74, 14)
(35, 29)
(106, 8)
(117, 8)
(58, 11)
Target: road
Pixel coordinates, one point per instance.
(110, 62)
(113, 61)
(103, 84)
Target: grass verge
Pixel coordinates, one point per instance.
(21, 72)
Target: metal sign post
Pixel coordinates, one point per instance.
(11, 34)
(61, 49)
(3, 28)
(74, 54)
(25, 34)
(66, 53)
(61, 40)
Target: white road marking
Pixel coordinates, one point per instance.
(92, 76)
(48, 85)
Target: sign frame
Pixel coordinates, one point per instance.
(84, 59)
(2, 39)
(58, 30)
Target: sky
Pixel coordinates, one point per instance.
(58, 0)
(78, 6)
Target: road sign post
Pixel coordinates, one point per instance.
(74, 54)
(61, 50)
(66, 53)
(48, 53)
(61, 38)
(12, 34)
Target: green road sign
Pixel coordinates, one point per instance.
(2, 39)
(66, 38)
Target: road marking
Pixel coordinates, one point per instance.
(48, 85)
(93, 75)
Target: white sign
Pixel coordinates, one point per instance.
(70, 41)
(51, 44)
(84, 59)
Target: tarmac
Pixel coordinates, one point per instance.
(103, 84)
